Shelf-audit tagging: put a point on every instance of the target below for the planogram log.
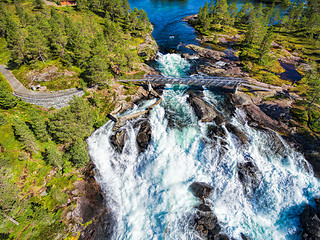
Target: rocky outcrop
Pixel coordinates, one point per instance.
(257, 117)
(200, 190)
(207, 53)
(249, 175)
(91, 207)
(204, 221)
(204, 112)
(119, 138)
(144, 134)
(310, 223)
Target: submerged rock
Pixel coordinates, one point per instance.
(118, 139)
(144, 135)
(200, 189)
(249, 175)
(310, 223)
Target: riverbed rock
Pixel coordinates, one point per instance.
(144, 134)
(101, 228)
(310, 223)
(249, 175)
(200, 189)
(257, 116)
(119, 138)
(206, 53)
(242, 137)
(204, 112)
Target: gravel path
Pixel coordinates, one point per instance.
(54, 99)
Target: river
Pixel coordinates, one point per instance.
(148, 192)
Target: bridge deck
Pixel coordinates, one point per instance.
(207, 81)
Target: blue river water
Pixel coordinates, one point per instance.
(166, 16)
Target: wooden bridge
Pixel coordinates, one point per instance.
(199, 81)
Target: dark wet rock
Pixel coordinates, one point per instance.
(243, 138)
(215, 131)
(219, 120)
(119, 138)
(249, 175)
(223, 237)
(310, 223)
(200, 189)
(203, 207)
(101, 228)
(317, 200)
(206, 225)
(244, 237)
(144, 135)
(204, 112)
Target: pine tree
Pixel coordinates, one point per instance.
(24, 134)
(38, 4)
(7, 100)
(79, 154)
(221, 13)
(233, 10)
(36, 44)
(265, 47)
(39, 126)
(99, 66)
(53, 156)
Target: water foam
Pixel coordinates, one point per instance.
(149, 194)
(173, 64)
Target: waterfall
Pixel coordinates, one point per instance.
(148, 191)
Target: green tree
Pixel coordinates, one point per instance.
(36, 44)
(39, 126)
(38, 4)
(233, 10)
(98, 71)
(73, 122)
(265, 47)
(221, 14)
(79, 154)
(24, 134)
(7, 100)
(53, 156)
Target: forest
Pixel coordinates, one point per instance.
(43, 151)
(265, 36)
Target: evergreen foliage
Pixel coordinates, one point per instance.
(53, 156)
(7, 100)
(39, 126)
(72, 123)
(42, 35)
(24, 134)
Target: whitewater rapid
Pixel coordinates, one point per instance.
(149, 194)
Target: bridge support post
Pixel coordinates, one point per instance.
(235, 88)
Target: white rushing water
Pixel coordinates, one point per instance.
(149, 194)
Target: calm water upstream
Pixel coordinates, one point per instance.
(148, 192)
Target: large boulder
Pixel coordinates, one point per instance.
(200, 189)
(207, 53)
(249, 175)
(118, 139)
(203, 111)
(257, 116)
(144, 134)
(310, 223)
